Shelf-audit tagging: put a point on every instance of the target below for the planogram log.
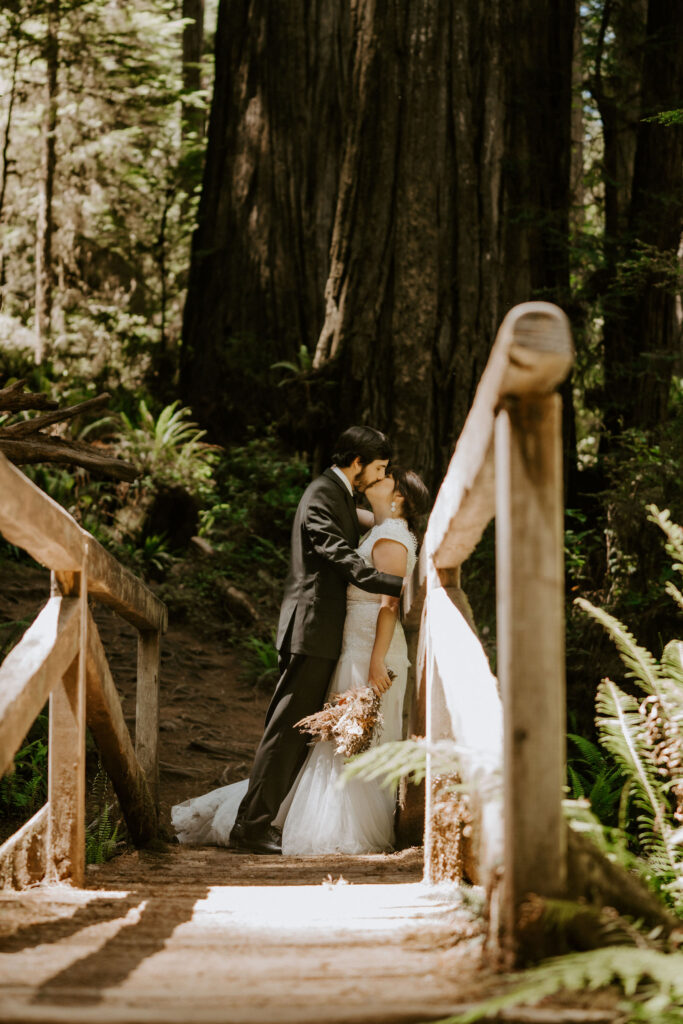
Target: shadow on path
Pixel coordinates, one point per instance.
(84, 981)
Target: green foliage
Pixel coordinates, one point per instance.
(169, 449)
(645, 736)
(127, 177)
(668, 118)
(594, 776)
(23, 791)
(264, 653)
(304, 364)
(651, 980)
(261, 487)
(389, 763)
(10, 633)
(102, 837)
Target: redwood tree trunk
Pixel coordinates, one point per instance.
(448, 204)
(641, 333)
(261, 250)
(453, 206)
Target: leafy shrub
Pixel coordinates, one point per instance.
(169, 449)
(259, 487)
(645, 734)
(23, 791)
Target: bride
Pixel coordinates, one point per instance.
(321, 814)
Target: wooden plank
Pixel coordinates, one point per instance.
(147, 708)
(532, 354)
(107, 724)
(22, 856)
(31, 519)
(29, 671)
(531, 657)
(66, 770)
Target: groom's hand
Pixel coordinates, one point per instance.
(378, 677)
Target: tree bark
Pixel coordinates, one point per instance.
(641, 333)
(193, 47)
(6, 136)
(260, 252)
(45, 275)
(448, 204)
(453, 206)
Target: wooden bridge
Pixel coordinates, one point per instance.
(231, 938)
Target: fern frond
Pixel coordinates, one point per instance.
(673, 532)
(620, 727)
(595, 969)
(673, 591)
(388, 763)
(640, 664)
(672, 662)
(590, 752)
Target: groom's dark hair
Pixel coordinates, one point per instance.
(364, 443)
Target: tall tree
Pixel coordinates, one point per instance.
(453, 206)
(643, 173)
(45, 274)
(451, 203)
(260, 253)
(193, 48)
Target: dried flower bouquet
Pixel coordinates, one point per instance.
(351, 720)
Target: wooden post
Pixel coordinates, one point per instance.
(530, 599)
(65, 860)
(147, 708)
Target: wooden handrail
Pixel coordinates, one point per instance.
(532, 354)
(507, 463)
(33, 521)
(28, 672)
(61, 657)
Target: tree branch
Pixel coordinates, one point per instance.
(23, 443)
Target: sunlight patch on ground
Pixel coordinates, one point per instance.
(333, 906)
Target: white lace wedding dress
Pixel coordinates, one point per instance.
(320, 814)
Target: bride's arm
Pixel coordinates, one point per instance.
(365, 518)
(388, 556)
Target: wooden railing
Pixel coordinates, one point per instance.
(507, 464)
(61, 657)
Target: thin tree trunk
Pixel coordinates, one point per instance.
(5, 158)
(193, 46)
(44, 267)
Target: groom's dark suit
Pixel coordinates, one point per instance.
(322, 562)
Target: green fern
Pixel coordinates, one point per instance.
(652, 980)
(641, 665)
(622, 732)
(388, 763)
(169, 449)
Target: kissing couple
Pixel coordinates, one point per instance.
(338, 631)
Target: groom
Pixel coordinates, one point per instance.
(323, 561)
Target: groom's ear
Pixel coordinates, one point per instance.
(357, 464)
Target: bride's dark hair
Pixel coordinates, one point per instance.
(416, 500)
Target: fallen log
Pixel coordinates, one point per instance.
(24, 442)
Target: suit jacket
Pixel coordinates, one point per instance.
(322, 562)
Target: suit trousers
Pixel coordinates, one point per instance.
(282, 751)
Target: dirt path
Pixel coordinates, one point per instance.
(210, 715)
